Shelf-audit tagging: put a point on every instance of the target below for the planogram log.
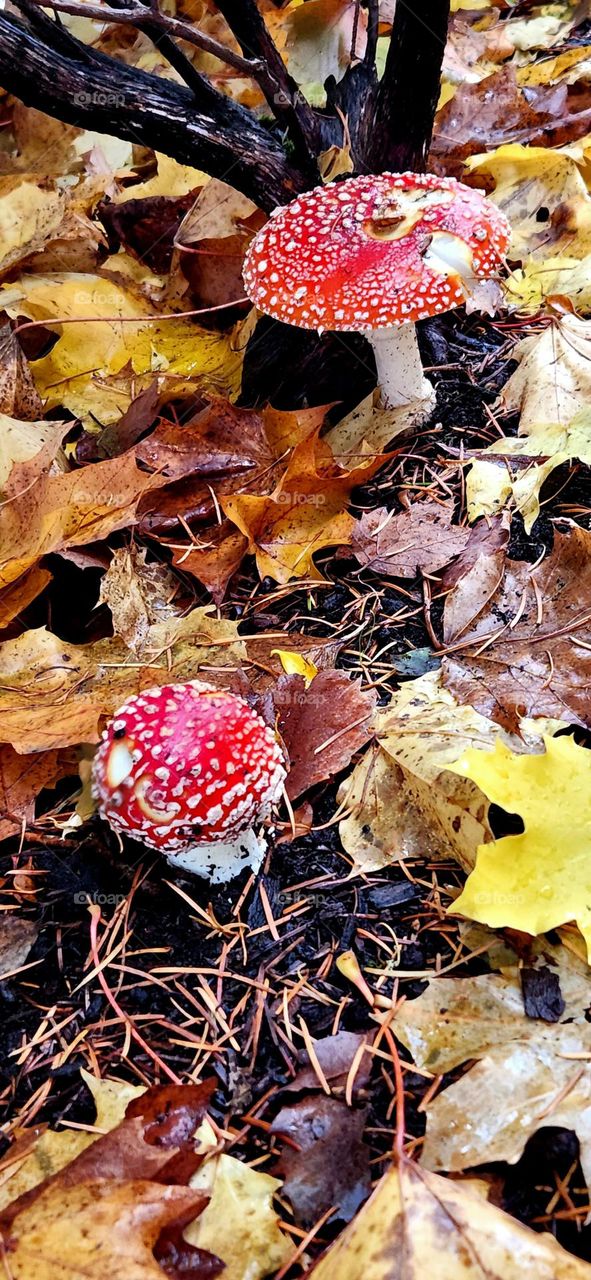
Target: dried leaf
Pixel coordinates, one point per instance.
(420, 539)
(30, 210)
(21, 780)
(213, 558)
(17, 936)
(400, 799)
(307, 511)
(20, 594)
(522, 644)
(239, 1224)
(18, 395)
(137, 595)
(75, 686)
(322, 725)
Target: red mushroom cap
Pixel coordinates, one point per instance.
(186, 764)
(363, 254)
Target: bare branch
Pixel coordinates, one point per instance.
(47, 68)
(401, 120)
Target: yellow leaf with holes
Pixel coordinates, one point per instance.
(541, 878)
(528, 287)
(117, 335)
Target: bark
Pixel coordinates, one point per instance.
(57, 74)
(400, 123)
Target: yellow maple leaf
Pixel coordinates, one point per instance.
(491, 486)
(541, 878)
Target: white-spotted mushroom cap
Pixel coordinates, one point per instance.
(374, 251)
(186, 765)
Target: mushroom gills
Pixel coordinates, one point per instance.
(223, 860)
(449, 255)
(400, 373)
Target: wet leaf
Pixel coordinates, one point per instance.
(419, 1224)
(22, 777)
(539, 879)
(331, 1167)
(18, 395)
(138, 595)
(521, 639)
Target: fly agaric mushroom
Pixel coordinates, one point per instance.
(190, 770)
(373, 255)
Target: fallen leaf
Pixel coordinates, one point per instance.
(322, 725)
(75, 686)
(117, 330)
(54, 1149)
(295, 664)
(239, 1224)
(97, 1229)
(30, 210)
(543, 194)
(497, 111)
(137, 595)
(552, 382)
(213, 558)
(22, 777)
(318, 39)
(171, 179)
(421, 539)
(18, 395)
(20, 594)
(306, 511)
(17, 936)
(418, 1224)
(515, 478)
(368, 429)
(32, 445)
(335, 1056)
(331, 1167)
(539, 879)
(402, 799)
(526, 1077)
(520, 644)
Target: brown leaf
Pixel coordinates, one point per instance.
(521, 636)
(21, 780)
(67, 509)
(18, 395)
(322, 726)
(19, 595)
(483, 116)
(96, 1229)
(335, 1054)
(487, 537)
(146, 228)
(213, 558)
(116, 439)
(17, 936)
(220, 441)
(331, 1168)
(422, 538)
(137, 595)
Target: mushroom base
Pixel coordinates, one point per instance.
(222, 861)
(401, 380)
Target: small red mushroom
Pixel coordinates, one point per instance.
(373, 255)
(190, 770)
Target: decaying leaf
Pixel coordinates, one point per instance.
(538, 879)
(17, 935)
(521, 464)
(329, 1167)
(418, 1224)
(552, 383)
(138, 595)
(117, 328)
(422, 538)
(520, 640)
(96, 1229)
(322, 725)
(401, 798)
(18, 395)
(22, 778)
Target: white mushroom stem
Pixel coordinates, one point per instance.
(401, 380)
(222, 861)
